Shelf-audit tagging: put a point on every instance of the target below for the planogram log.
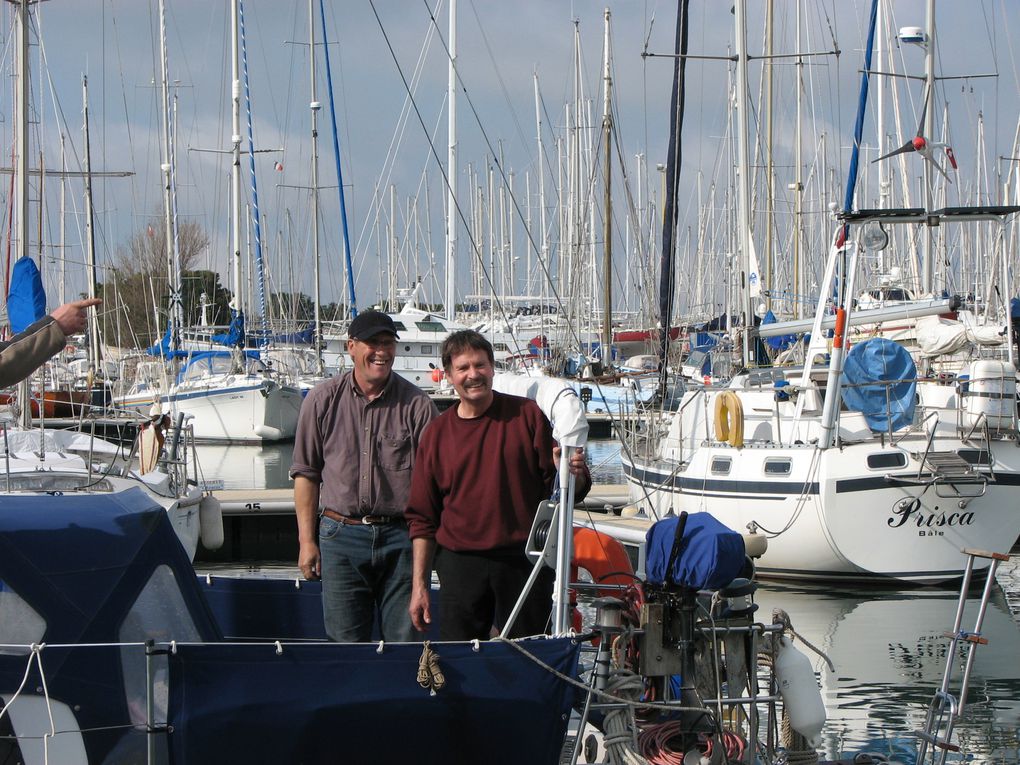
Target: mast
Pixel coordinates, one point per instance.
(451, 168)
(90, 231)
(314, 105)
(21, 102)
(798, 178)
(928, 270)
(235, 170)
(348, 262)
(670, 182)
(21, 192)
(607, 263)
(743, 186)
(176, 307)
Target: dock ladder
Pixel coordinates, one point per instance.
(945, 708)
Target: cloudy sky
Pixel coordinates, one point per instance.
(375, 46)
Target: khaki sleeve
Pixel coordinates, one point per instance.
(28, 350)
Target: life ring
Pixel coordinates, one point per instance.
(729, 419)
(604, 558)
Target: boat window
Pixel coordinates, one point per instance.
(399, 326)
(721, 465)
(886, 460)
(20, 624)
(158, 613)
(976, 456)
(430, 326)
(426, 350)
(774, 466)
(502, 347)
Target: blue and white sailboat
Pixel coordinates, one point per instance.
(231, 394)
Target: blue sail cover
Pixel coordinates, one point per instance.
(162, 348)
(349, 703)
(711, 556)
(779, 342)
(234, 336)
(26, 299)
(880, 381)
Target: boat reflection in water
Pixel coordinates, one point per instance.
(890, 655)
(240, 466)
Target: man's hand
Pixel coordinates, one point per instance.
(577, 463)
(421, 615)
(72, 317)
(422, 551)
(309, 561)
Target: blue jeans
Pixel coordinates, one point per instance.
(365, 570)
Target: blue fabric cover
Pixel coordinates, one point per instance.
(885, 406)
(261, 608)
(26, 300)
(235, 332)
(778, 342)
(711, 555)
(80, 562)
(348, 703)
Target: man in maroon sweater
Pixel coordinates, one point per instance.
(481, 470)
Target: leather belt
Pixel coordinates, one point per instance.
(363, 520)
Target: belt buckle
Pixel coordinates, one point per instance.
(373, 520)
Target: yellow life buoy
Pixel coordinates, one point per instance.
(729, 419)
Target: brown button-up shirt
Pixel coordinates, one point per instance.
(361, 451)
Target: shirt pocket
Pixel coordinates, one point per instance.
(393, 451)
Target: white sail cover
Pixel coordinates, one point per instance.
(937, 336)
(556, 399)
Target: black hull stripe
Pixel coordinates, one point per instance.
(685, 485)
(781, 489)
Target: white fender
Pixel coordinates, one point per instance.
(801, 697)
(210, 522)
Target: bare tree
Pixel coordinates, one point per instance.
(138, 286)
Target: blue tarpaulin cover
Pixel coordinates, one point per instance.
(711, 556)
(350, 703)
(26, 299)
(80, 563)
(889, 403)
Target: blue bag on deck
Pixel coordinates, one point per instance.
(711, 556)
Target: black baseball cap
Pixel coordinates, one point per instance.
(368, 324)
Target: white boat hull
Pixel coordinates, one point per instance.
(245, 412)
(828, 520)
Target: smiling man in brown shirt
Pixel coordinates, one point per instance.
(356, 440)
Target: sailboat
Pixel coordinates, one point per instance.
(230, 395)
(52, 465)
(854, 467)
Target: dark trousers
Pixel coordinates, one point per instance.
(478, 590)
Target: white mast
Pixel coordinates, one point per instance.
(743, 189)
(21, 99)
(235, 138)
(928, 271)
(451, 169)
(173, 261)
(315, 106)
(607, 266)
